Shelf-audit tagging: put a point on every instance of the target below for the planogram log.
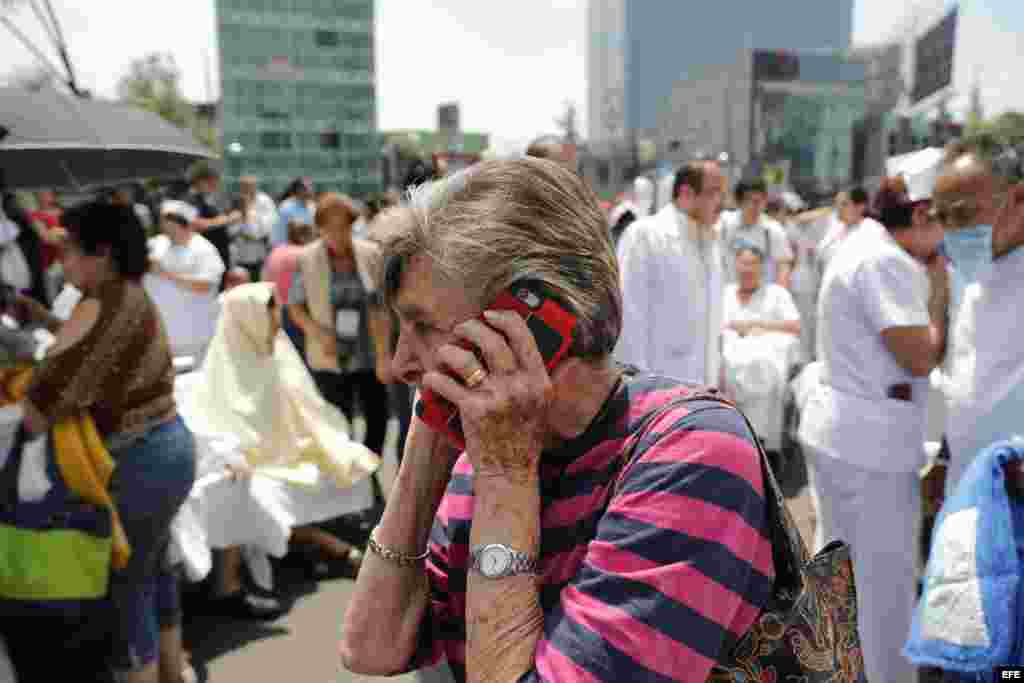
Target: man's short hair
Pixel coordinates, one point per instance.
(1004, 159)
(749, 186)
(859, 195)
(691, 175)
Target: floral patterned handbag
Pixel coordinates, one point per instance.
(809, 635)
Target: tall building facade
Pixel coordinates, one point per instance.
(639, 50)
(298, 92)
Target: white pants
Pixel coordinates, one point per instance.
(877, 514)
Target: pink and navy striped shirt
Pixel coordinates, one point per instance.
(655, 584)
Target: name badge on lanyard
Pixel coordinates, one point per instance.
(347, 323)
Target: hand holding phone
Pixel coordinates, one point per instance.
(553, 329)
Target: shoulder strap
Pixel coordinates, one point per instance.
(789, 553)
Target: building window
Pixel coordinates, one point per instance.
(330, 139)
(328, 38)
(272, 115)
(276, 140)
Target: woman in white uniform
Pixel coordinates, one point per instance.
(881, 318)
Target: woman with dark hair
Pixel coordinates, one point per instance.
(30, 243)
(112, 360)
(296, 204)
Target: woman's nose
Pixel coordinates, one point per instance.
(406, 364)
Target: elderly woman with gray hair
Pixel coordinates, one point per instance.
(567, 538)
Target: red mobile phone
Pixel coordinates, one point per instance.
(553, 328)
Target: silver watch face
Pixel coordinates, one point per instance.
(495, 560)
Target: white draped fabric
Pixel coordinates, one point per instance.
(756, 371)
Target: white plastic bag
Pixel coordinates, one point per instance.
(14, 268)
(33, 482)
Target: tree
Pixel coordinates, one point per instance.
(153, 83)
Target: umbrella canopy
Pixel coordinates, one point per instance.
(55, 140)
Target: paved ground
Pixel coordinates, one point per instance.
(301, 647)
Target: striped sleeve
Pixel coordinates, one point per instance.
(442, 629)
(681, 564)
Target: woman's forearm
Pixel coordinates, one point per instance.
(504, 620)
(784, 326)
(389, 602)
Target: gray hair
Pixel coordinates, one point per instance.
(503, 221)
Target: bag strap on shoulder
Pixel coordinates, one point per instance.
(789, 553)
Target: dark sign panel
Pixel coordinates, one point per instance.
(448, 118)
(933, 58)
(776, 65)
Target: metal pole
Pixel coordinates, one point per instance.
(62, 49)
(23, 39)
(45, 23)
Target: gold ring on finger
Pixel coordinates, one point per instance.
(477, 378)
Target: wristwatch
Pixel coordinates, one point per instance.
(497, 561)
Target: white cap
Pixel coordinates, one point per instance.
(920, 170)
(176, 207)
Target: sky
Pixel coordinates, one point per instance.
(512, 66)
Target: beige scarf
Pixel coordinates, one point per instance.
(315, 264)
(256, 388)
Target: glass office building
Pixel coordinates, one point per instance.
(298, 93)
(805, 111)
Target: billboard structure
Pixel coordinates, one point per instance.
(804, 110)
(933, 58)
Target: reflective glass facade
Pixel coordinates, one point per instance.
(806, 114)
(298, 92)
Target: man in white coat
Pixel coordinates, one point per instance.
(881, 316)
(671, 266)
(979, 197)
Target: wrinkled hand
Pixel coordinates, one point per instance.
(502, 416)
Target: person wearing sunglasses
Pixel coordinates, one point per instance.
(979, 199)
(184, 274)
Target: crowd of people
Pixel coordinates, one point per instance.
(856, 322)
(538, 550)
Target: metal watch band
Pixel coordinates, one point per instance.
(520, 563)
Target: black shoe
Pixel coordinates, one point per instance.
(246, 606)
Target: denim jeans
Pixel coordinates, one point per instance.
(152, 479)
